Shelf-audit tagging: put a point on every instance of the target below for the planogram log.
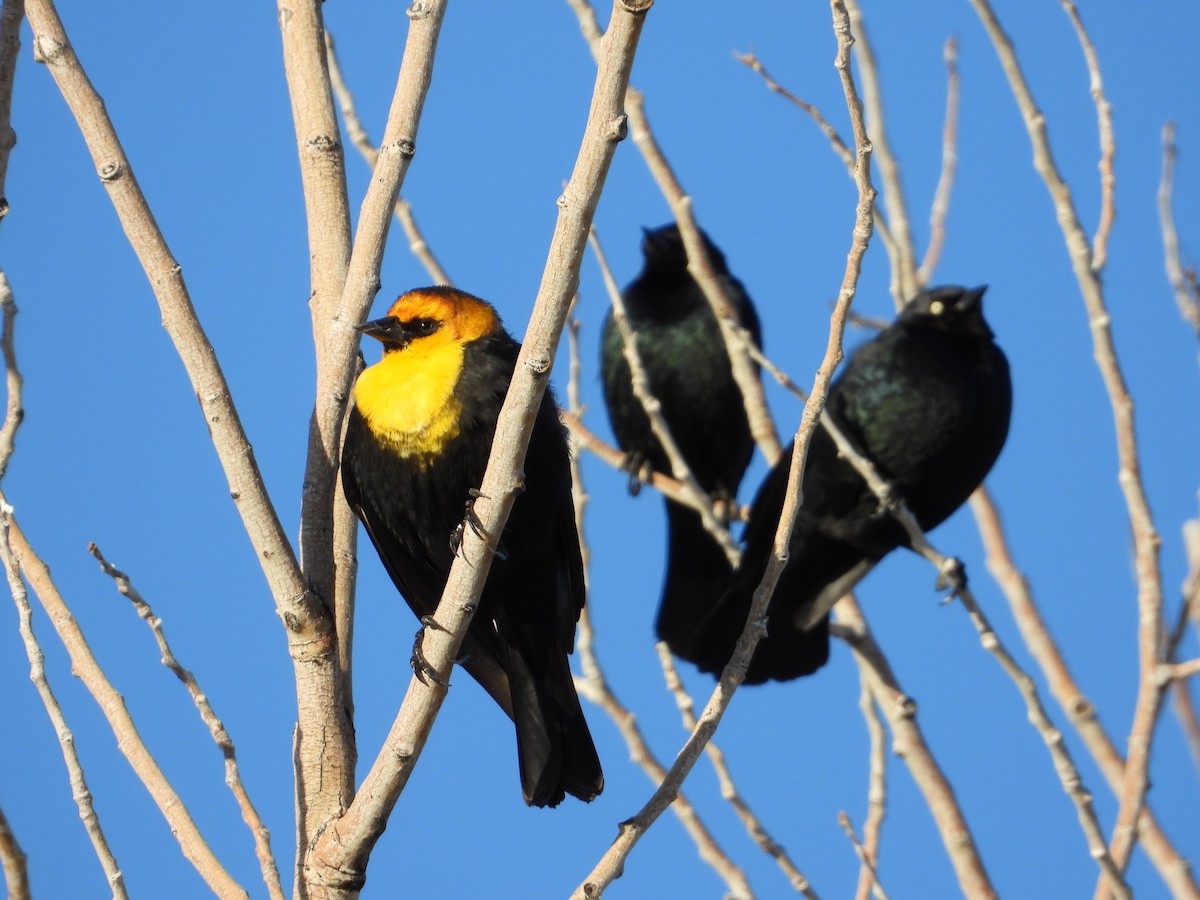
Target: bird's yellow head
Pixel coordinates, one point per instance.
(433, 317)
(407, 398)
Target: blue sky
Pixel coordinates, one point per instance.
(114, 449)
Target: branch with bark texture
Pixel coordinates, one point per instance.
(908, 743)
(729, 792)
(762, 426)
(233, 775)
(611, 864)
(594, 685)
(1146, 539)
(336, 864)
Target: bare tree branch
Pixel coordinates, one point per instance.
(729, 791)
(11, 14)
(1171, 865)
(844, 153)
(594, 685)
(905, 283)
(1183, 281)
(85, 667)
(12, 863)
(1145, 535)
(698, 499)
(359, 137)
(9, 851)
(762, 426)
(1108, 144)
(326, 752)
(336, 863)
(941, 195)
(632, 829)
(863, 857)
(908, 743)
(233, 775)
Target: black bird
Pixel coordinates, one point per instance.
(416, 444)
(928, 402)
(682, 350)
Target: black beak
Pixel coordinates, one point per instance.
(388, 330)
(971, 298)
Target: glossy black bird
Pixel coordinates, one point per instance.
(928, 402)
(681, 349)
(416, 444)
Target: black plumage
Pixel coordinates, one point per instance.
(928, 402)
(416, 443)
(687, 365)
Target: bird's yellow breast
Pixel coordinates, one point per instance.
(407, 398)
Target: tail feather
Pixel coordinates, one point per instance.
(697, 576)
(554, 747)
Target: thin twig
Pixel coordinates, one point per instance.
(762, 426)
(697, 498)
(729, 792)
(1189, 612)
(1146, 539)
(734, 673)
(908, 743)
(336, 863)
(941, 195)
(14, 415)
(877, 770)
(311, 640)
(863, 857)
(1108, 143)
(1172, 866)
(12, 863)
(1183, 281)
(844, 153)
(594, 684)
(361, 140)
(905, 283)
(233, 776)
(86, 668)
(66, 739)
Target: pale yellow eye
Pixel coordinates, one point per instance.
(937, 307)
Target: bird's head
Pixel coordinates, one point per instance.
(664, 251)
(433, 315)
(949, 308)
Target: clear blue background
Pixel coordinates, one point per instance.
(114, 449)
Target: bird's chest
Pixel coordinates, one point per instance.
(408, 401)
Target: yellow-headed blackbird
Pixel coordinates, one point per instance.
(417, 444)
(682, 350)
(928, 402)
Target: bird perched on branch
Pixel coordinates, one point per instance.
(417, 444)
(927, 401)
(687, 366)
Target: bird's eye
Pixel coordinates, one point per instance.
(423, 327)
(937, 307)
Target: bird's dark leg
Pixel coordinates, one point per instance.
(724, 505)
(952, 574)
(470, 520)
(420, 665)
(638, 469)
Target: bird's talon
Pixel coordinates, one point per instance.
(420, 665)
(952, 574)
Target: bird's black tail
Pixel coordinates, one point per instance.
(554, 747)
(789, 650)
(697, 576)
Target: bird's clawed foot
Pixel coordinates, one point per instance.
(420, 665)
(952, 575)
(639, 470)
(470, 520)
